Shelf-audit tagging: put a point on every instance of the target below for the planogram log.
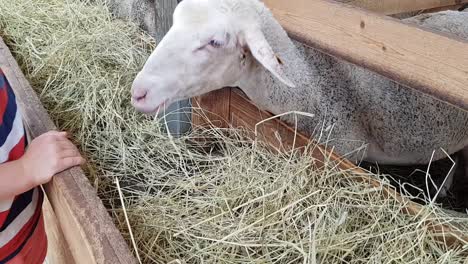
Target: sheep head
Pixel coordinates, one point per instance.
(208, 47)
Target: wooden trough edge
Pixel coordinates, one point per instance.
(229, 107)
(88, 229)
(431, 62)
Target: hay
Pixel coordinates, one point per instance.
(222, 201)
(81, 63)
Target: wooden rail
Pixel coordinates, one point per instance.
(87, 228)
(433, 63)
(391, 7)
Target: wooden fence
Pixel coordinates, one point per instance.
(431, 62)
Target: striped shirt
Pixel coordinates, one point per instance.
(22, 234)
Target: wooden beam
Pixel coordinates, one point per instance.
(57, 247)
(391, 7)
(164, 10)
(430, 62)
(212, 109)
(88, 229)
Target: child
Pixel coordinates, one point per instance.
(22, 234)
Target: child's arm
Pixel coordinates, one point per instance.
(46, 156)
(13, 180)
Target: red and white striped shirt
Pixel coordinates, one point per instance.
(22, 234)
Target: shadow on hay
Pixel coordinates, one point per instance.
(415, 179)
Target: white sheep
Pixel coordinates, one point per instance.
(218, 43)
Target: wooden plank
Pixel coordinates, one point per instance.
(57, 248)
(164, 10)
(432, 63)
(244, 114)
(215, 109)
(280, 136)
(87, 227)
(391, 7)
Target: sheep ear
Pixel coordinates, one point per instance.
(264, 54)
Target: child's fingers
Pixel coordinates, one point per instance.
(69, 153)
(54, 136)
(55, 133)
(69, 162)
(62, 135)
(66, 144)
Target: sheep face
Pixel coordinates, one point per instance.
(208, 47)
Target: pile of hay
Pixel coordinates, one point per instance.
(228, 201)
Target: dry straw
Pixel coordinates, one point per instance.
(223, 200)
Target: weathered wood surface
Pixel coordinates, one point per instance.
(432, 63)
(57, 248)
(88, 229)
(215, 108)
(390, 7)
(282, 137)
(164, 10)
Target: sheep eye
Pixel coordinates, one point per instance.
(214, 43)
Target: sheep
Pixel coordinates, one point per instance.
(218, 43)
(141, 12)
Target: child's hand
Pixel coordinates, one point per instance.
(48, 155)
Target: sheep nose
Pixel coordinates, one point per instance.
(139, 94)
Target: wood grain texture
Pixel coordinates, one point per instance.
(433, 63)
(164, 10)
(88, 229)
(391, 7)
(282, 137)
(216, 109)
(57, 249)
